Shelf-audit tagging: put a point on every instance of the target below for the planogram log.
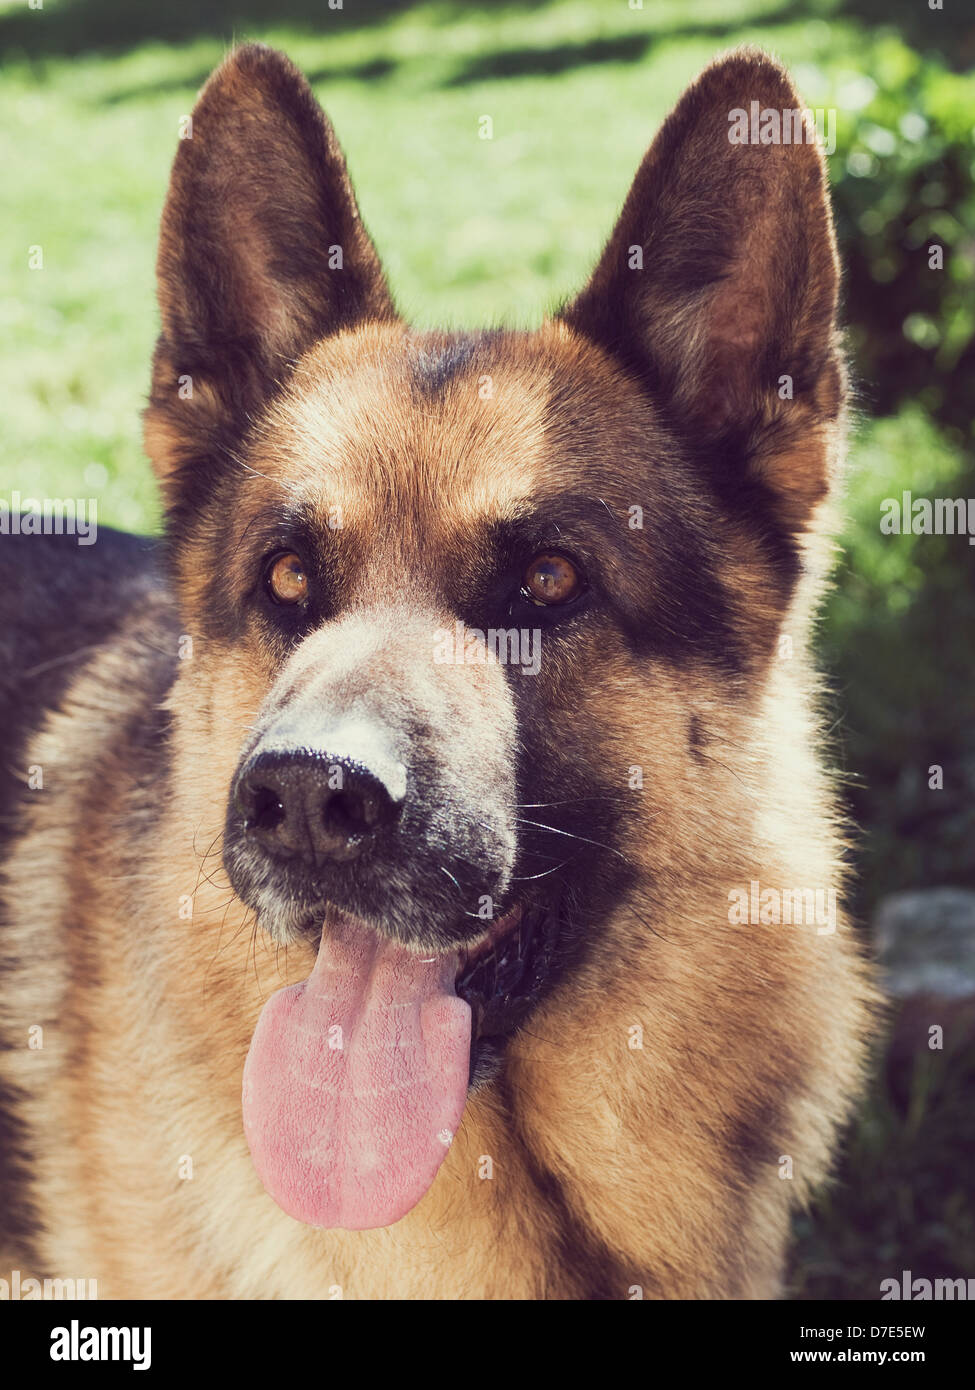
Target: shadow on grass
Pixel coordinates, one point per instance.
(115, 26)
(373, 71)
(506, 63)
(72, 27)
(510, 63)
(627, 48)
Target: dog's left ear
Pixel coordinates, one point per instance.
(261, 253)
(718, 287)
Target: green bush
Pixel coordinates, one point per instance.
(904, 183)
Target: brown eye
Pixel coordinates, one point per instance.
(552, 579)
(287, 580)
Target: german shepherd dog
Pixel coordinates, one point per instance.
(373, 844)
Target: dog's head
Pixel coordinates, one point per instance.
(470, 605)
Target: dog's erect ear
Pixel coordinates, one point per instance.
(718, 286)
(261, 253)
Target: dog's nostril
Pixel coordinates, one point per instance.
(352, 813)
(268, 809)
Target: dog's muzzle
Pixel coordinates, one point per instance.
(316, 806)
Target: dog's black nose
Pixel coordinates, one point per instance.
(312, 805)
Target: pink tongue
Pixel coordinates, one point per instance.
(356, 1080)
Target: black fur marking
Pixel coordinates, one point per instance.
(437, 361)
(590, 1264)
(696, 737)
(754, 1143)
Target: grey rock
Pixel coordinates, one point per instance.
(925, 942)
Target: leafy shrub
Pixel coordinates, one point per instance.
(904, 182)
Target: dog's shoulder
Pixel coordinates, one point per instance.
(62, 605)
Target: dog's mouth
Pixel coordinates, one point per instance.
(503, 977)
(356, 1079)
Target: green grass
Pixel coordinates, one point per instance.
(477, 232)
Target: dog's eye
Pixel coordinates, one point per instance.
(551, 579)
(287, 581)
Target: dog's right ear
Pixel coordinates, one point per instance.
(262, 252)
